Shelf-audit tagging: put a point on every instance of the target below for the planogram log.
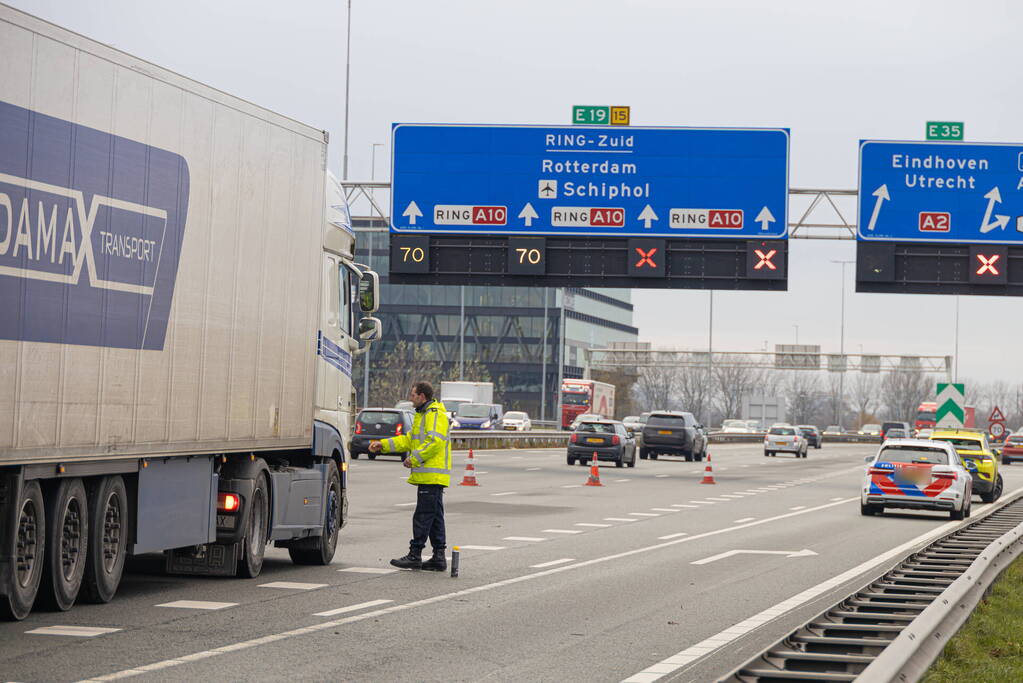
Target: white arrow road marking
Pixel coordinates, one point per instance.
(528, 214)
(993, 197)
(412, 212)
(647, 215)
(765, 218)
(882, 195)
(805, 552)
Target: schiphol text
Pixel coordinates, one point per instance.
(605, 190)
(934, 165)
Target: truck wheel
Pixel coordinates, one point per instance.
(27, 554)
(251, 561)
(319, 550)
(67, 544)
(108, 540)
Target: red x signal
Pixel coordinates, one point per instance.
(645, 257)
(987, 265)
(765, 259)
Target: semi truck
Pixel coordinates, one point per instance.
(180, 309)
(454, 394)
(926, 416)
(579, 396)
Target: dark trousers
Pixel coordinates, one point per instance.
(428, 520)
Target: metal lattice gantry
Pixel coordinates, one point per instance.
(624, 359)
(814, 214)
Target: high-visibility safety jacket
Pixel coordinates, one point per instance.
(428, 446)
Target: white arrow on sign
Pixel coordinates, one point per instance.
(647, 215)
(412, 212)
(765, 218)
(993, 197)
(528, 214)
(882, 195)
(805, 552)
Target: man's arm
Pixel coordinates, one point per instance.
(396, 444)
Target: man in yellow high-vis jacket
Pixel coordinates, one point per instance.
(429, 458)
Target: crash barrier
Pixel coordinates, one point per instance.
(463, 439)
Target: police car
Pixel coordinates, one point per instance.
(919, 475)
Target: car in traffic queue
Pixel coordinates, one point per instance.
(1012, 449)
(972, 446)
(607, 438)
(632, 423)
(516, 421)
(813, 436)
(897, 433)
(833, 430)
(904, 426)
(735, 427)
(373, 424)
(924, 433)
(870, 429)
(917, 474)
(785, 439)
(673, 433)
(477, 416)
(584, 417)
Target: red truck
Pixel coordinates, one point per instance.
(925, 416)
(580, 396)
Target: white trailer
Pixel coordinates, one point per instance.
(180, 308)
(453, 394)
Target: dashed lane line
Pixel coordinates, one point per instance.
(670, 536)
(76, 631)
(681, 505)
(527, 539)
(798, 507)
(619, 519)
(352, 608)
(593, 524)
(572, 486)
(481, 547)
(744, 520)
(661, 476)
(198, 604)
(368, 570)
(505, 493)
(293, 585)
(644, 514)
(664, 509)
(552, 563)
(562, 531)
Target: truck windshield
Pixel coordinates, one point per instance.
(473, 410)
(572, 398)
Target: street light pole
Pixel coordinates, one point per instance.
(841, 351)
(369, 262)
(348, 79)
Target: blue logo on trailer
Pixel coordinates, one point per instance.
(576, 180)
(941, 192)
(91, 226)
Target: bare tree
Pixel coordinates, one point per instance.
(903, 390)
(834, 402)
(803, 397)
(398, 369)
(696, 390)
(864, 396)
(658, 387)
(734, 382)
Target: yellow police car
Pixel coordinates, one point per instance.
(979, 458)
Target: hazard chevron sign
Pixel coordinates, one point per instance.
(951, 402)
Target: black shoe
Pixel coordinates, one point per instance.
(411, 561)
(437, 563)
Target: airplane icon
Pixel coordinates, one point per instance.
(548, 189)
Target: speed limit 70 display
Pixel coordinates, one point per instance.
(410, 254)
(527, 256)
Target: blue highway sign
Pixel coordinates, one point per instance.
(941, 192)
(580, 180)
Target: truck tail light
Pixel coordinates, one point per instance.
(574, 438)
(228, 502)
(397, 430)
(615, 440)
(358, 428)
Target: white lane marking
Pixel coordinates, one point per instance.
(836, 499)
(596, 526)
(798, 507)
(644, 514)
(551, 563)
(572, 486)
(563, 531)
(661, 476)
(621, 480)
(719, 500)
(256, 642)
(197, 604)
(533, 469)
(678, 535)
(530, 539)
(703, 502)
(743, 520)
(618, 519)
(77, 631)
(351, 608)
(505, 493)
(368, 570)
(664, 509)
(403, 505)
(733, 633)
(680, 505)
(292, 584)
(730, 495)
(481, 472)
(481, 547)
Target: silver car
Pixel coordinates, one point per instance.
(785, 439)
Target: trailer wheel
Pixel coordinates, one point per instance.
(108, 540)
(67, 543)
(28, 554)
(319, 550)
(254, 543)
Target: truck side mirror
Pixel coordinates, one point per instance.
(369, 293)
(370, 330)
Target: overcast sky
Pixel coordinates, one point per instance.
(832, 72)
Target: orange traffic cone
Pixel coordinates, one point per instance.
(594, 479)
(470, 472)
(708, 473)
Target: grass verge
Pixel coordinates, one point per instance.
(989, 647)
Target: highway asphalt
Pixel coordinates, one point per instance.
(559, 581)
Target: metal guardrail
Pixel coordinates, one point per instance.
(462, 439)
(896, 625)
